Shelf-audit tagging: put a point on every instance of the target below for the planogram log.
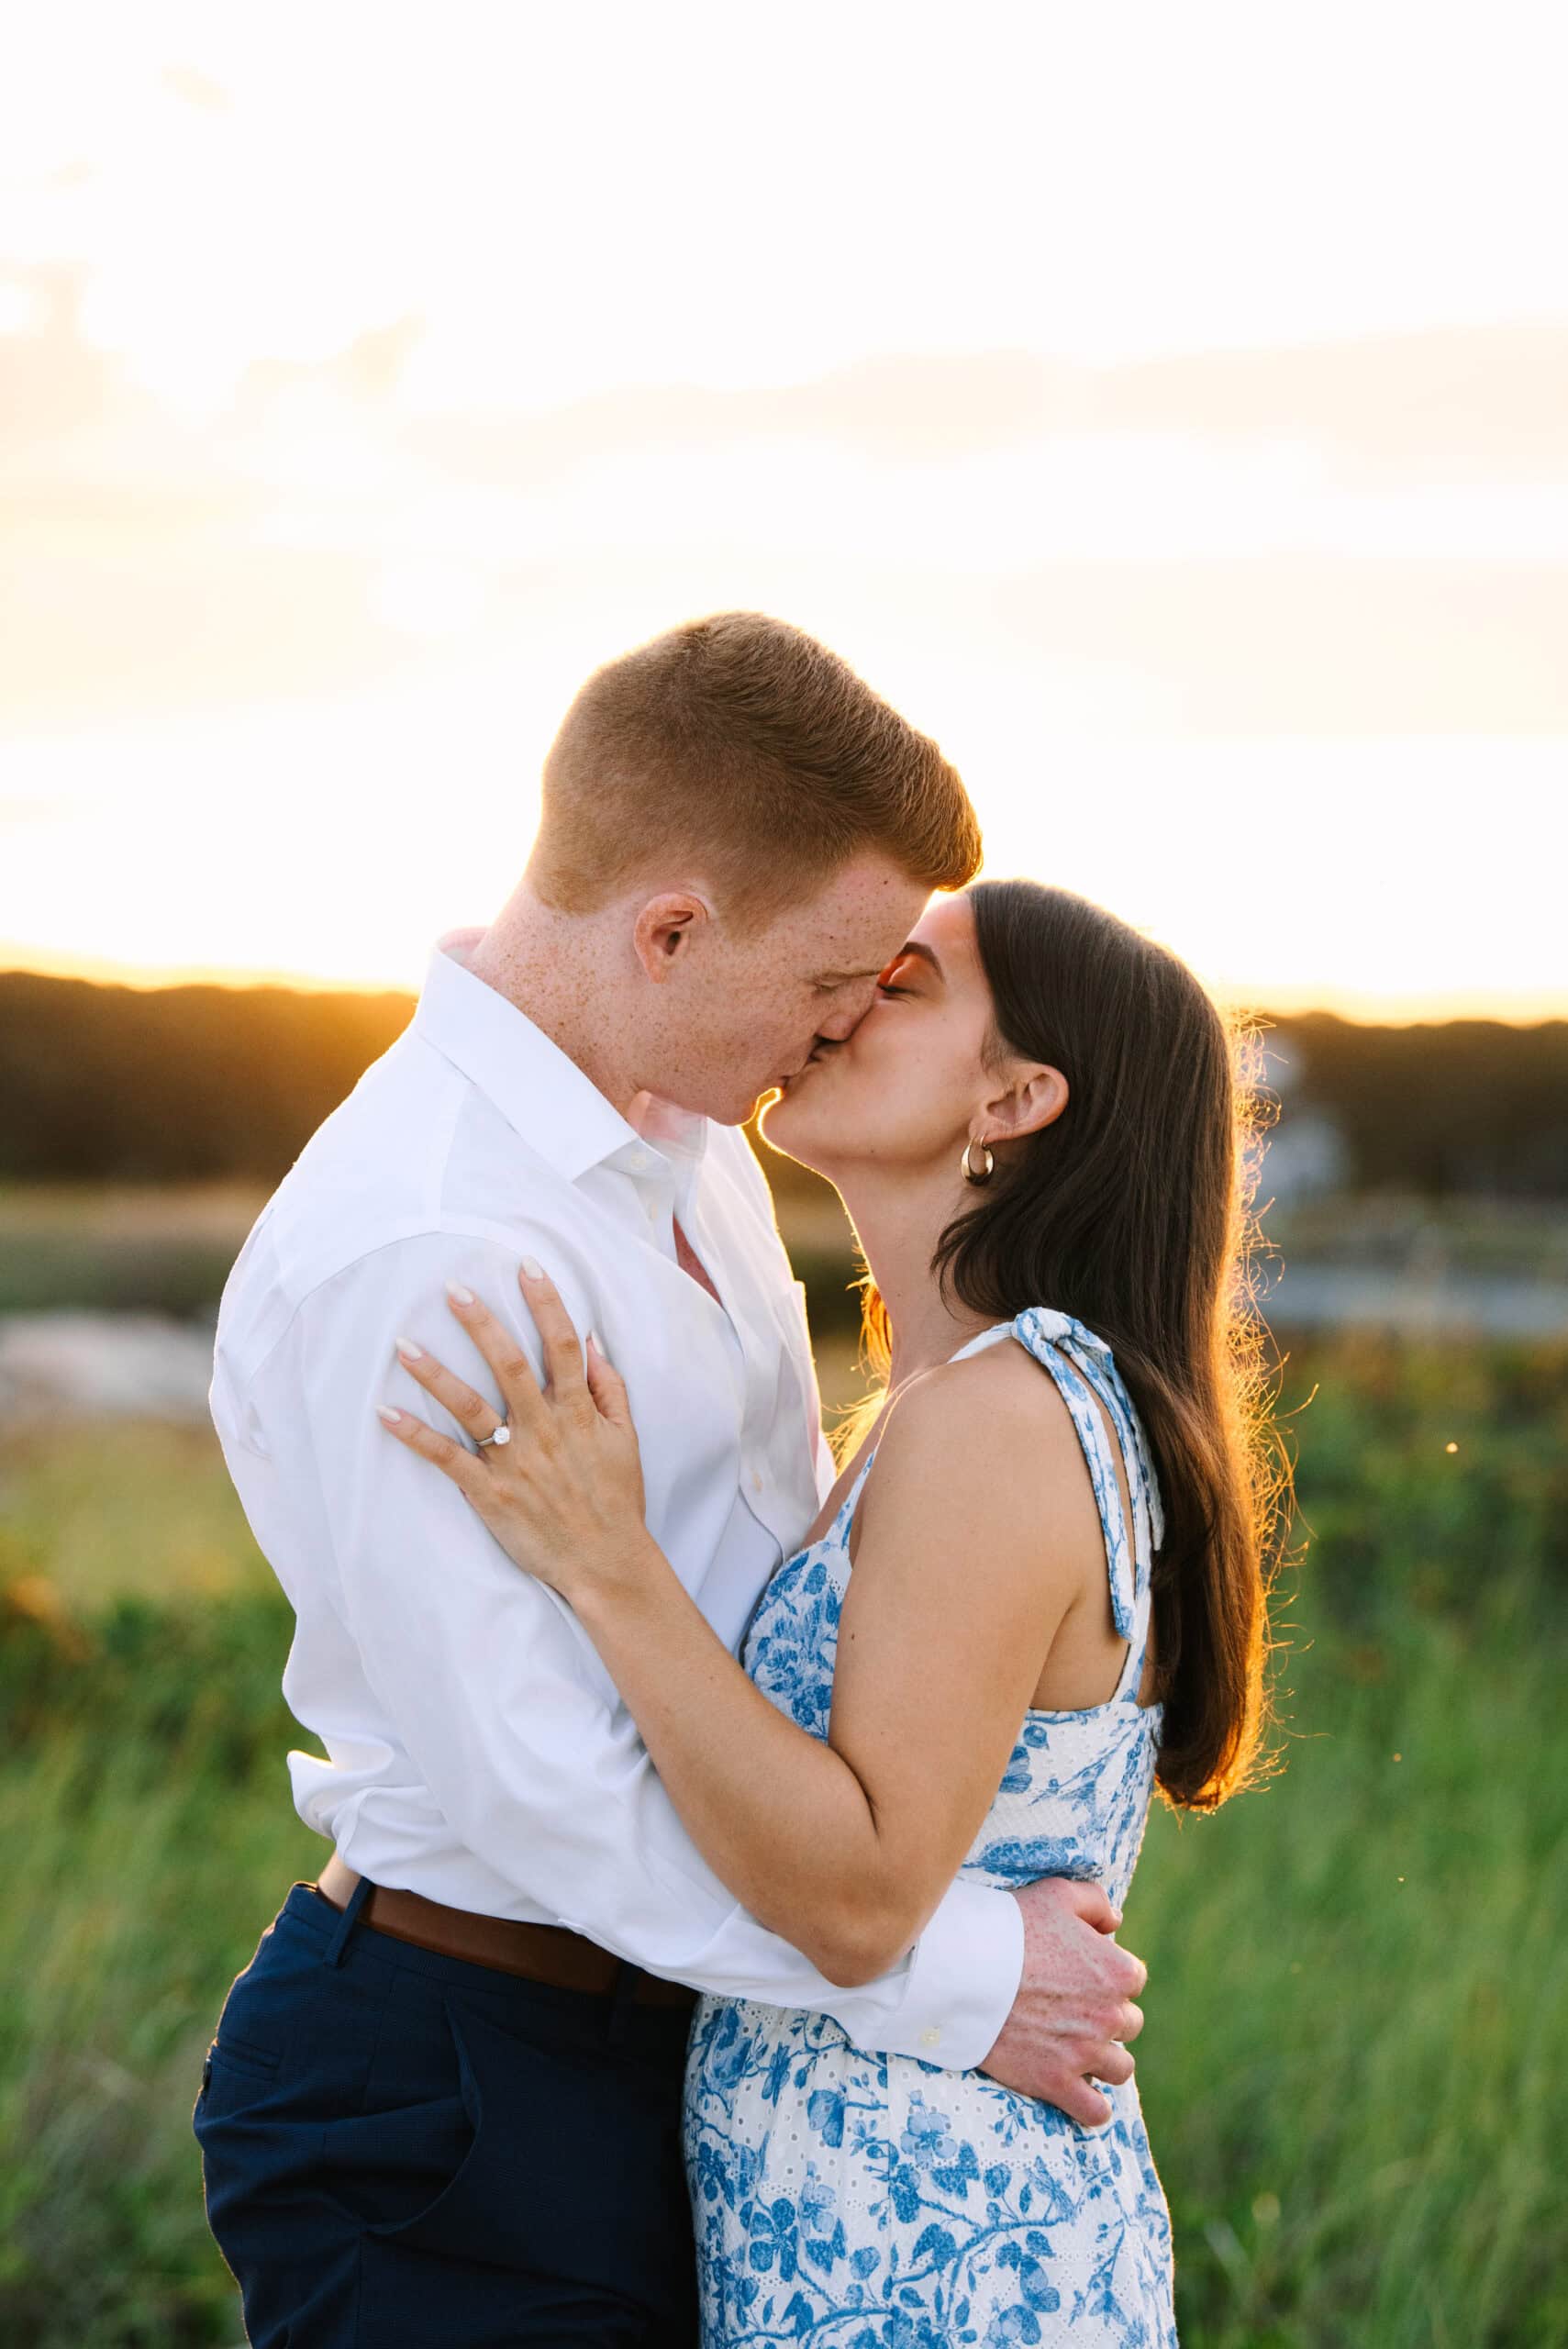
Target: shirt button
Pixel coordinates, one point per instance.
(756, 1481)
(930, 2037)
(651, 1209)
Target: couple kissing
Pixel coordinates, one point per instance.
(729, 1837)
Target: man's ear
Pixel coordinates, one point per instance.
(666, 928)
(1035, 1097)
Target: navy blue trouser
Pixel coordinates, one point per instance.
(402, 2150)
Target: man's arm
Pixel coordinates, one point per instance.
(499, 1700)
(844, 1847)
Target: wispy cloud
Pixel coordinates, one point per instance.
(1368, 538)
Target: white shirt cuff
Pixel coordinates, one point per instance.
(964, 1977)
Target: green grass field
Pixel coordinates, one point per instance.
(1358, 2011)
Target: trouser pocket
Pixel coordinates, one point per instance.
(572, 2164)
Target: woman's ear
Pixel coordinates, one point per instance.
(1035, 1097)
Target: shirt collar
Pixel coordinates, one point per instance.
(540, 1092)
(679, 1139)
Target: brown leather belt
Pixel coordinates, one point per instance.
(540, 1952)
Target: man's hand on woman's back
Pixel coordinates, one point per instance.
(1075, 2010)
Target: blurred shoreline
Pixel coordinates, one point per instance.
(108, 1293)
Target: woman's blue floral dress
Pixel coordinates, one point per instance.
(867, 2201)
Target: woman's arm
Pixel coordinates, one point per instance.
(964, 1568)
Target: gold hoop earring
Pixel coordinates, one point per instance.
(984, 1173)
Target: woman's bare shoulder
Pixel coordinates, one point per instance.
(992, 1426)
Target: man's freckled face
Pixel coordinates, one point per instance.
(811, 973)
(784, 1025)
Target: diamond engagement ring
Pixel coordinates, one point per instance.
(502, 1434)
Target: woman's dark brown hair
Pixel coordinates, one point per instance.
(1131, 1212)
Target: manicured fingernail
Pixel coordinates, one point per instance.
(409, 1351)
(533, 1268)
(459, 1295)
(384, 1411)
(594, 1342)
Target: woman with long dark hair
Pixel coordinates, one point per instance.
(1036, 1592)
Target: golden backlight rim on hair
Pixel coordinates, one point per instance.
(742, 748)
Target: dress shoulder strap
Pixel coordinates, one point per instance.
(1082, 1366)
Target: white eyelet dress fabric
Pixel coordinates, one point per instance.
(865, 2201)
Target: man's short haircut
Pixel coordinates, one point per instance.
(759, 757)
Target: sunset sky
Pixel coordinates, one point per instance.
(1166, 409)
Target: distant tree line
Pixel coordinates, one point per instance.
(118, 1083)
(174, 1084)
(1443, 1109)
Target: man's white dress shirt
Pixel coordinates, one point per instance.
(477, 1750)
